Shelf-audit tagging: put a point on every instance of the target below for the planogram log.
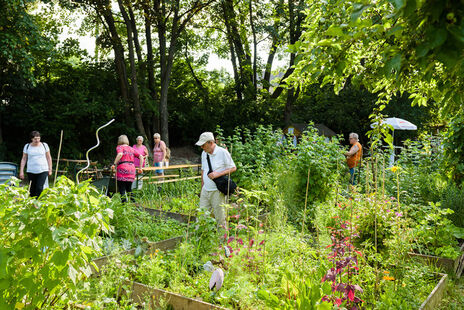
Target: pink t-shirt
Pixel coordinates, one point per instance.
(142, 151)
(126, 168)
(158, 153)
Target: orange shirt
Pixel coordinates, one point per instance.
(353, 161)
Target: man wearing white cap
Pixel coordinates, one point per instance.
(222, 164)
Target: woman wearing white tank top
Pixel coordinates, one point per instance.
(39, 163)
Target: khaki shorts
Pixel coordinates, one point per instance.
(213, 201)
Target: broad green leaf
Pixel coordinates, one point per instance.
(436, 37)
(4, 284)
(325, 42)
(358, 9)
(398, 4)
(60, 258)
(335, 31)
(72, 273)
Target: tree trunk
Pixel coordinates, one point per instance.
(134, 84)
(270, 60)
(238, 85)
(118, 59)
(150, 61)
(255, 48)
(163, 103)
(164, 20)
(244, 61)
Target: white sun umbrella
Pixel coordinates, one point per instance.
(397, 124)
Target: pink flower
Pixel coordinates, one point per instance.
(230, 240)
(241, 226)
(399, 214)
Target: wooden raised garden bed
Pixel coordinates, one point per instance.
(182, 218)
(455, 266)
(436, 295)
(164, 245)
(140, 292)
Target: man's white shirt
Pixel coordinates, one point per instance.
(220, 161)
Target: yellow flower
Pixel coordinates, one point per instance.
(386, 272)
(388, 278)
(394, 169)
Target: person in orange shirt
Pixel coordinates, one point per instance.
(353, 157)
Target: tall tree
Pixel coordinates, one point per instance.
(21, 39)
(388, 47)
(171, 18)
(132, 39)
(239, 48)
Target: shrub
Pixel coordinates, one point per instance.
(453, 199)
(325, 161)
(48, 243)
(252, 152)
(421, 179)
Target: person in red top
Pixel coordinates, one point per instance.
(159, 153)
(125, 173)
(353, 157)
(142, 149)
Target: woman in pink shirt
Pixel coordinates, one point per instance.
(159, 153)
(125, 173)
(142, 150)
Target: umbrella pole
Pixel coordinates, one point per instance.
(393, 134)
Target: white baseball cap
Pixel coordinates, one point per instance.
(205, 137)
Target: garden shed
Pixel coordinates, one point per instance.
(297, 130)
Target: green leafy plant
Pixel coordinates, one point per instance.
(453, 199)
(435, 234)
(325, 162)
(133, 223)
(299, 294)
(48, 243)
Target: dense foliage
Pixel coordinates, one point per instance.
(299, 236)
(48, 243)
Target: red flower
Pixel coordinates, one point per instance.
(351, 294)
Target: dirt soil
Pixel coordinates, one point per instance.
(184, 155)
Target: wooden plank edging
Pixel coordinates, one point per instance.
(183, 218)
(175, 180)
(450, 265)
(436, 295)
(140, 292)
(163, 245)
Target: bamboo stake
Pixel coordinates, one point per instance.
(58, 158)
(306, 203)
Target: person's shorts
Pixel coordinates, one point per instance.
(160, 164)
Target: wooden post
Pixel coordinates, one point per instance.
(58, 158)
